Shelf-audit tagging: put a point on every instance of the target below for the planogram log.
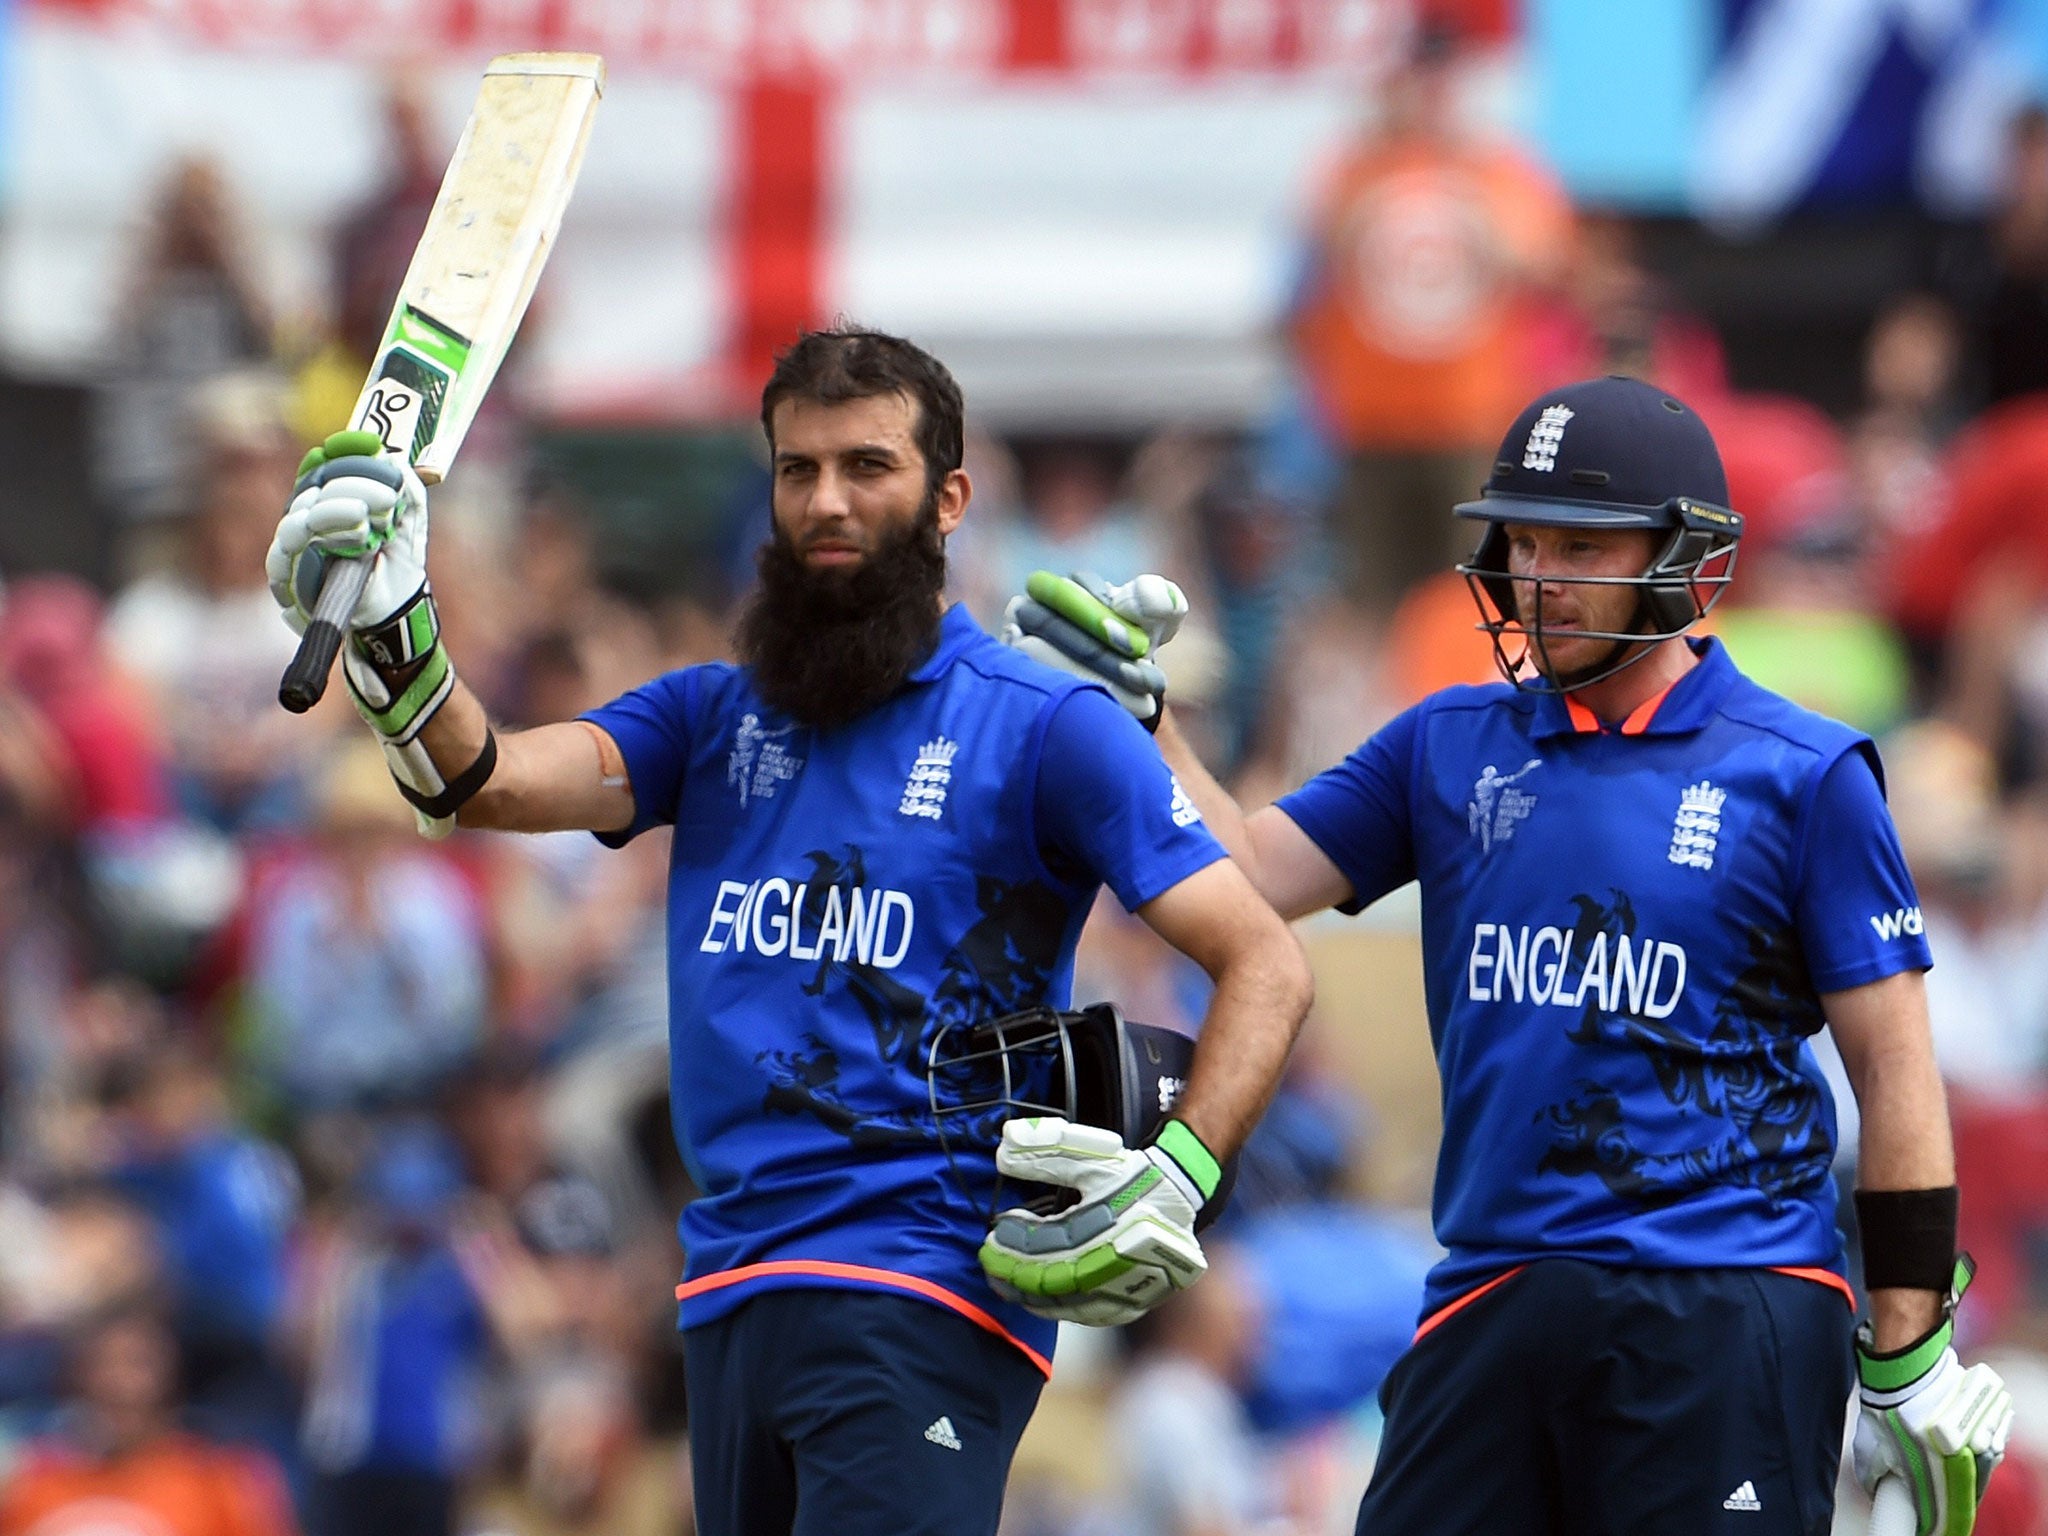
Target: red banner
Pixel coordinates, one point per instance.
(837, 39)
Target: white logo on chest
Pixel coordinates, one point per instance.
(758, 760)
(1540, 452)
(924, 792)
(1497, 805)
(1697, 829)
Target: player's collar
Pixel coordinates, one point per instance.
(1686, 705)
(957, 631)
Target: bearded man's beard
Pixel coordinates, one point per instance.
(828, 645)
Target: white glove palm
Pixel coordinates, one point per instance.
(1129, 1242)
(1107, 634)
(351, 500)
(1939, 1428)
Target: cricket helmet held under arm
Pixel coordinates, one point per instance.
(1089, 1065)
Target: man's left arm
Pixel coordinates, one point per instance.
(1887, 1048)
(1263, 991)
(1107, 805)
(1927, 1421)
(1128, 1242)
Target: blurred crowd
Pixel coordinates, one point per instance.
(336, 1181)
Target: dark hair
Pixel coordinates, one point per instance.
(846, 363)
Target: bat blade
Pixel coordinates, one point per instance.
(469, 283)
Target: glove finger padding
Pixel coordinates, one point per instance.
(1044, 636)
(347, 506)
(1126, 1245)
(1152, 602)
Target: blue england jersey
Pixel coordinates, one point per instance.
(1625, 934)
(836, 898)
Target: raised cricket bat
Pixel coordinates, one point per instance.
(464, 293)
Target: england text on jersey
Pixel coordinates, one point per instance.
(873, 927)
(1643, 977)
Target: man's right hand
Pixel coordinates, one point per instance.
(351, 499)
(1107, 634)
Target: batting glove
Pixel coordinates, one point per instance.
(1926, 1420)
(1128, 1243)
(1106, 634)
(351, 500)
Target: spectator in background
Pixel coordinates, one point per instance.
(1614, 316)
(397, 1339)
(203, 636)
(1424, 250)
(83, 1250)
(118, 1462)
(2013, 327)
(374, 243)
(192, 311)
(1912, 362)
(223, 1203)
(1072, 512)
(1192, 1463)
(586, 1467)
(51, 653)
(367, 965)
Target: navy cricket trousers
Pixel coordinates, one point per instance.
(1571, 1399)
(817, 1412)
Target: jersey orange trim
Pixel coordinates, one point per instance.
(1444, 1313)
(1826, 1277)
(1639, 718)
(1585, 722)
(831, 1270)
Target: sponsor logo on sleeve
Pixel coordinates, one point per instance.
(1900, 921)
(1183, 808)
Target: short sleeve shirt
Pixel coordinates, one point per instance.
(838, 897)
(1626, 935)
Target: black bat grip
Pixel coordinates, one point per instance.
(306, 678)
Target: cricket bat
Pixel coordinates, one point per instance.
(471, 277)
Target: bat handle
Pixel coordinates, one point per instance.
(1891, 1508)
(306, 678)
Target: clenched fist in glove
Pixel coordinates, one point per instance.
(1936, 1426)
(1107, 634)
(1125, 1246)
(351, 500)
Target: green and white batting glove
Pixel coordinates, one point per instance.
(1125, 1246)
(352, 499)
(1107, 634)
(1926, 1420)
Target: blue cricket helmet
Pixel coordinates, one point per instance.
(1612, 453)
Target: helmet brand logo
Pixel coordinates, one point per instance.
(1540, 452)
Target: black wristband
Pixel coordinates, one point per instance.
(459, 789)
(1909, 1238)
